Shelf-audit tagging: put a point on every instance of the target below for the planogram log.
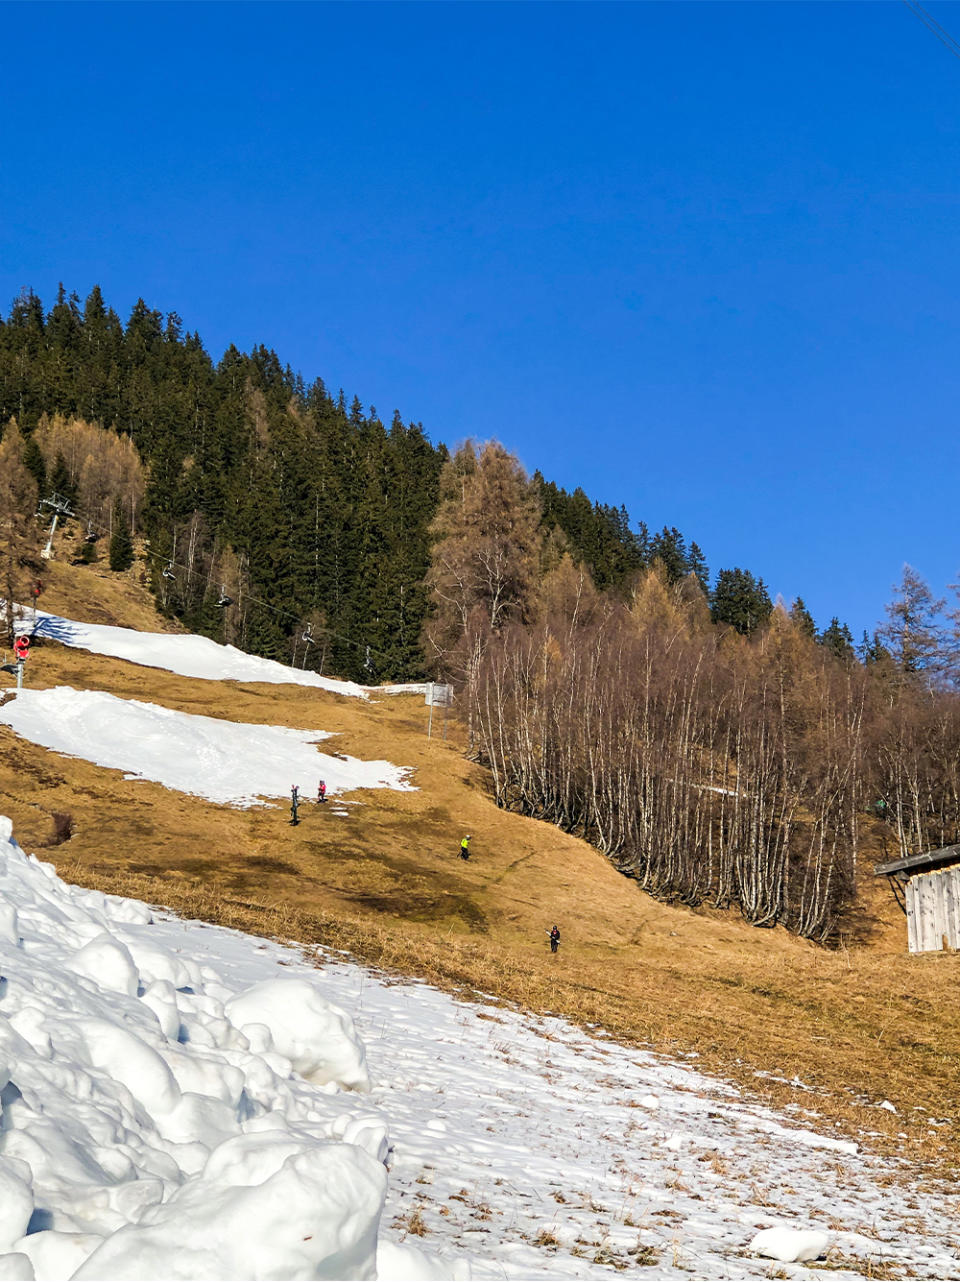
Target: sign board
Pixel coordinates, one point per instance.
(439, 696)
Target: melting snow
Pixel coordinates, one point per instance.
(225, 761)
(183, 1101)
(188, 656)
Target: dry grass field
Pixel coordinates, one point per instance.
(857, 1026)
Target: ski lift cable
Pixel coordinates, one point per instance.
(266, 605)
(931, 24)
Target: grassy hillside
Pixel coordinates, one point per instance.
(859, 1026)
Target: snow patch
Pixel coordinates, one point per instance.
(229, 762)
(188, 656)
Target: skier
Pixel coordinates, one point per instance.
(465, 847)
(321, 793)
(554, 939)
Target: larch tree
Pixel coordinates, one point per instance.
(912, 633)
(19, 537)
(486, 541)
(486, 550)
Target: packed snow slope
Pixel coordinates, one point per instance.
(180, 1101)
(224, 761)
(862, 1025)
(187, 655)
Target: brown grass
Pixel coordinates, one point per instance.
(858, 1025)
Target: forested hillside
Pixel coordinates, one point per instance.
(716, 747)
(312, 514)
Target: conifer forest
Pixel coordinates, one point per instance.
(715, 745)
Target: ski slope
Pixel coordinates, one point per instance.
(232, 763)
(189, 656)
(182, 1101)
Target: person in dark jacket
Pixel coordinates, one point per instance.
(554, 939)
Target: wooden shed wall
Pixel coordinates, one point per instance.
(933, 910)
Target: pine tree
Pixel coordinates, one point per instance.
(60, 481)
(838, 639)
(740, 600)
(121, 544)
(33, 462)
(802, 619)
(697, 566)
(872, 650)
(670, 549)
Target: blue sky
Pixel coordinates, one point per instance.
(701, 259)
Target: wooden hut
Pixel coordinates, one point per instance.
(928, 887)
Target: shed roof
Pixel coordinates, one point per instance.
(923, 862)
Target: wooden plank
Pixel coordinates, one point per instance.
(951, 879)
(938, 891)
(913, 937)
(925, 916)
(931, 917)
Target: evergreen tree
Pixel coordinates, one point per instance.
(121, 544)
(33, 462)
(60, 481)
(740, 600)
(697, 566)
(838, 639)
(802, 619)
(670, 549)
(872, 650)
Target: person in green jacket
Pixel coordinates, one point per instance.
(465, 847)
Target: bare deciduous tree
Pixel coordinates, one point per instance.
(19, 535)
(103, 466)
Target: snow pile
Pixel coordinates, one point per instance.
(156, 1121)
(316, 1037)
(225, 761)
(188, 656)
(790, 1245)
(144, 1133)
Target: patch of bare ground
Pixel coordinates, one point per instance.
(854, 1026)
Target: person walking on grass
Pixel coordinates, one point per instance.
(465, 847)
(321, 792)
(554, 938)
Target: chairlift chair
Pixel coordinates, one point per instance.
(224, 599)
(91, 535)
(308, 637)
(167, 571)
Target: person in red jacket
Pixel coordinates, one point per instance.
(321, 792)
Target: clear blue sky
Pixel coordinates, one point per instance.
(702, 259)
